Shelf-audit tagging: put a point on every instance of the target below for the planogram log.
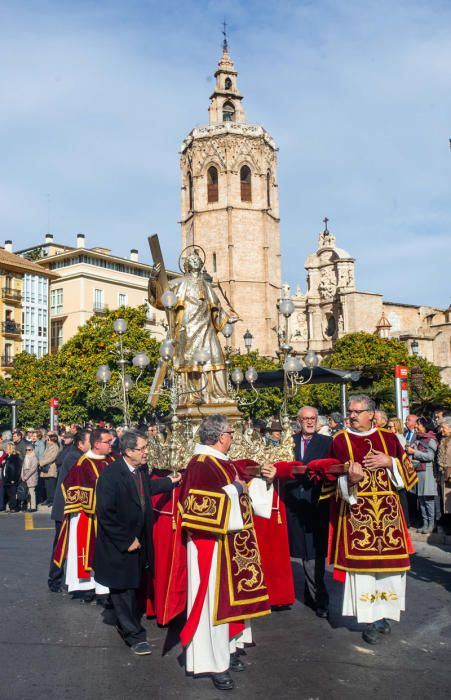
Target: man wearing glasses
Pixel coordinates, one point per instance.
(225, 585)
(77, 538)
(124, 548)
(370, 545)
(307, 516)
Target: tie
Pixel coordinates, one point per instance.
(139, 487)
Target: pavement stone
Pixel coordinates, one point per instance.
(51, 646)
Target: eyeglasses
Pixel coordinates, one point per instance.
(227, 432)
(357, 411)
(106, 442)
(308, 419)
(139, 449)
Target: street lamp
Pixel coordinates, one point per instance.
(248, 338)
(415, 347)
(103, 375)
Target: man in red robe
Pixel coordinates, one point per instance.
(226, 586)
(369, 545)
(77, 537)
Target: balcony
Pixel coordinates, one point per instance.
(11, 295)
(11, 328)
(100, 308)
(6, 361)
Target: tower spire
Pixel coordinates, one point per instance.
(225, 102)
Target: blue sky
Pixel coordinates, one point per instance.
(96, 98)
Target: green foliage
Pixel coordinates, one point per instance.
(376, 358)
(70, 374)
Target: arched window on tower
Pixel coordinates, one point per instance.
(212, 184)
(228, 112)
(268, 189)
(228, 83)
(246, 186)
(190, 191)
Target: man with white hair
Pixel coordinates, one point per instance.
(225, 579)
(370, 544)
(307, 516)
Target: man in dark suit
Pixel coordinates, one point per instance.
(124, 546)
(307, 516)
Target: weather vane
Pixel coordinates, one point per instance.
(224, 32)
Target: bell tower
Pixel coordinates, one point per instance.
(230, 207)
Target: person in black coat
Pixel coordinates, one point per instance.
(71, 454)
(11, 476)
(124, 547)
(307, 516)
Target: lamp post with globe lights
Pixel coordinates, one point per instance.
(120, 392)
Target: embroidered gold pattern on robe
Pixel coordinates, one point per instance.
(205, 510)
(247, 559)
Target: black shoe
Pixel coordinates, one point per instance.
(322, 612)
(55, 589)
(235, 663)
(383, 626)
(223, 681)
(371, 635)
(87, 597)
(141, 648)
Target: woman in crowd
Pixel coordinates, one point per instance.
(395, 425)
(48, 469)
(444, 463)
(11, 476)
(422, 452)
(29, 474)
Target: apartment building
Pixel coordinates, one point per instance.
(87, 281)
(24, 308)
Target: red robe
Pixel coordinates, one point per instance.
(79, 490)
(164, 533)
(204, 512)
(370, 536)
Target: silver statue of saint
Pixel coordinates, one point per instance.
(198, 317)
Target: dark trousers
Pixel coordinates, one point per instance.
(50, 486)
(128, 615)
(40, 490)
(11, 499)
(56, 573)
(2, 495)
(315, 591)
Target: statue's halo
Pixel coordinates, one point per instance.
(184, 254)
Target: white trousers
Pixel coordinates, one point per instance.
(210, 648)
(72, 581)
(370, 597)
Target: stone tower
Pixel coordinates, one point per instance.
(230, 208)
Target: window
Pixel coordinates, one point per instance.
(56, 301)
(98, 299)
(228, 112)
(228, 83)
(123, 300)
(212, 185)
(56, 338)
(190, 191)
(268, 189)
(245, 181)
(214, 262)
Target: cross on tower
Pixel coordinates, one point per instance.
(325, 220)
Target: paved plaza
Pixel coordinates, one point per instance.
(52, 646)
